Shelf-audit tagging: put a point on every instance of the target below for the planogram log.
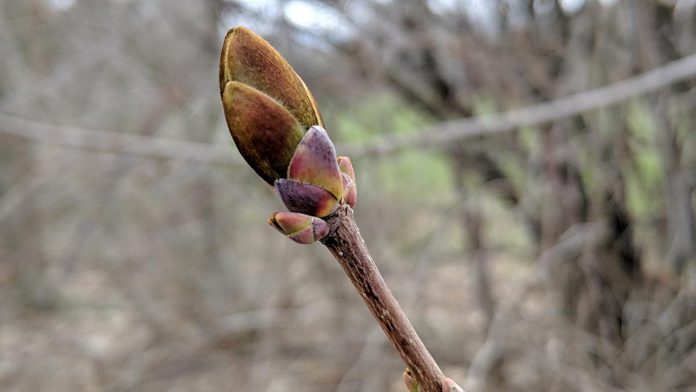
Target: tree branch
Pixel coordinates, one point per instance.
(442, 134)
(437, 136)
(116, 142)
(346, 244)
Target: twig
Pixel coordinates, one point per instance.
(437, 136)
(346, 244)
(109, 141)
(408, 294)
(444, 133)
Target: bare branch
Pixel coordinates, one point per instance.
(109, 141)
(436, 136)
(446, 132)
(346, 244)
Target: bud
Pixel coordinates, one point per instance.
(301, 228)
(306, 198)
(267, 106)
(277, 127)
(350, 187)
(314, 162)
(265, 133)
(249, 59)
(314, 184)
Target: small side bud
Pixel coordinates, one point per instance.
(314, 162)
(350, 193)
(346, 166)
(306, 198)
(301, 228)
(321, 228)
(350, 188)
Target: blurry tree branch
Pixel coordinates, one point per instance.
(117, 142)
(436, 136)
(446, 132)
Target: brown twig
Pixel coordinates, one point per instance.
(346, 244)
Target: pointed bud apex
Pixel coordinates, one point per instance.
(350, 188)
(306, 198)
(410, 381)
(250, 59)
(301, 228)
(314, 162)
(290, 222)
(265, 133)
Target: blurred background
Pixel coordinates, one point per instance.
(549, 244)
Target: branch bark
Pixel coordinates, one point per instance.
(346, 244)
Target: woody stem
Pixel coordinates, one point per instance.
(349, 249)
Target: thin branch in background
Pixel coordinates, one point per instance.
(12, 198)
(444, 133)
(437, 136)
(109, 141)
